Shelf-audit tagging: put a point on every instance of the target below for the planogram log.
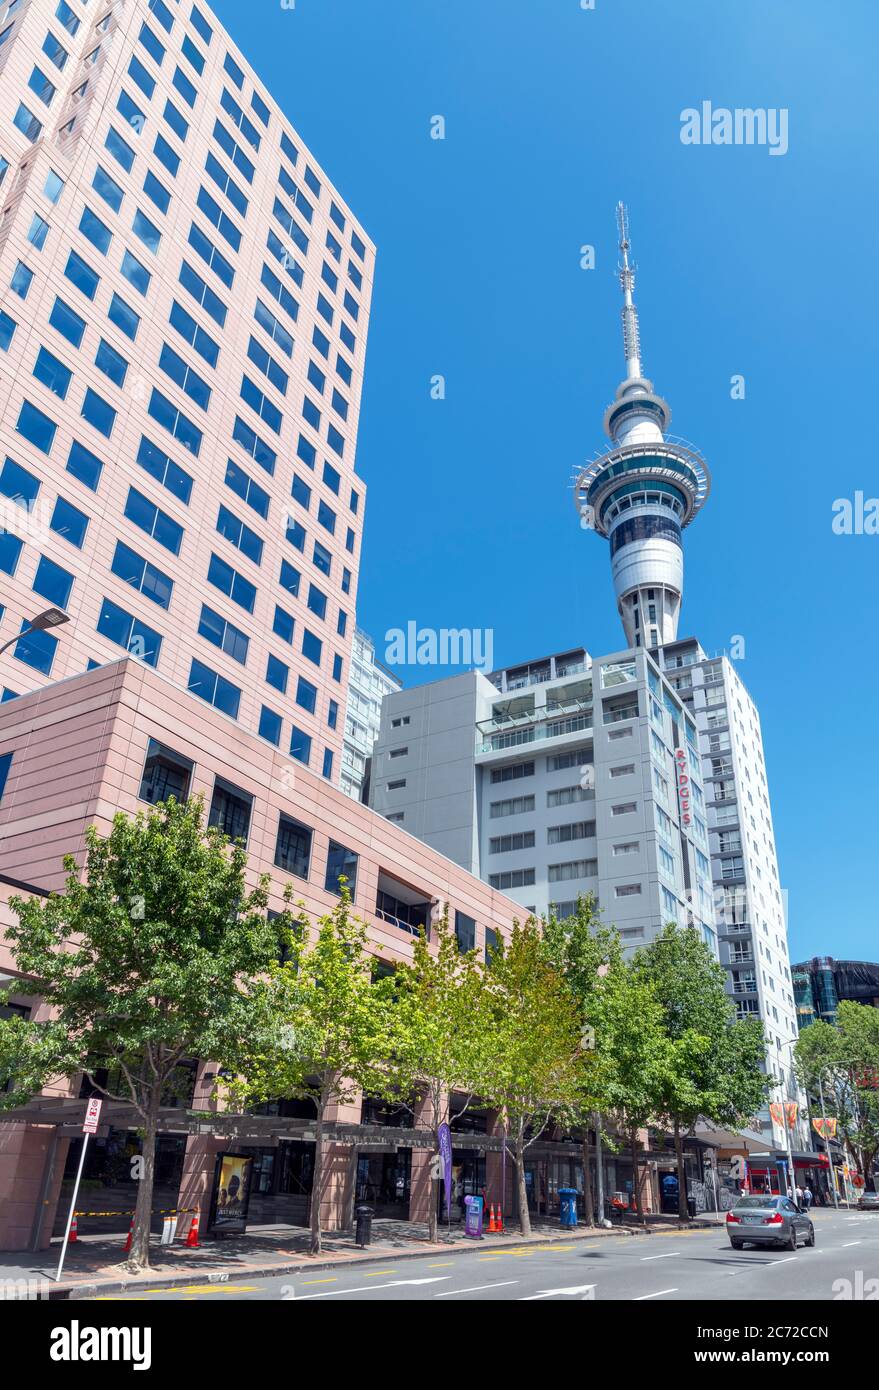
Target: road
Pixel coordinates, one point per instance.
(672, 1265)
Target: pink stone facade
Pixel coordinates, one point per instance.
(78, 750)
(317, 297)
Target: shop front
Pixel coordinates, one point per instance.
(384, 1181)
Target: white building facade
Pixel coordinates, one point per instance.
(368, 683)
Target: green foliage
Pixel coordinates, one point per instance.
(844, 1060)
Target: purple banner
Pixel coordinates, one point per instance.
(445, 1147)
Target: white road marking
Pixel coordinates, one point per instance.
(475, 1288)
(658, 1294)
(783, 1262)
(847, 1243)
(582, 1291)
(667, 1256)
(364, 1288)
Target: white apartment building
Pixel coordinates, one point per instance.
(556, 778)
(368, 683)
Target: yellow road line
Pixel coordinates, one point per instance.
(375, 1273)
(334, 1279)
(440, 1264)
(215, 1288)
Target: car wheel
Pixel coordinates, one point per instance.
(810, 1240)
(737, 1244)
(792, 1241)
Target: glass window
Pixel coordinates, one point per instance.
(21, 280)
(133, 569)
(293, 847)
(123, 316)
(200, 24)
(465, 931)
(203, 294)
(120, 150)
(52, 373)
(69, 324)
(84, 465)
(157, 192)
(53, 582)
(322, 558)
(184, 87)
(175, 422)
(36, 427)
(231, 810)
(129, 632)
(164, 152)
(37, 650)
(283, 624)
(249, 491)
(135, 273)
(38, 231)
(192, 55)
(213, 688)
(211, 256)
(150, 518)
(53, 186)
(98, 412)
(300, 745)
(107, 188)
(27, 123)
(306, 694)
(53, 49)
(18, 484)
(138, 74)
(312, 647)
(155, 49)
(317, 601)
(111, 363)
(65, 14)
(81, 274)
(233, 70)
(178, 124)
(231, 583)
(223, 634)
(341, 864)
(277, 674)
(162, 14)
(289, 578)
(270, 725)
(96, 231)
(130, 113)
(69, 522)
(164, 469)
(185, 377)
(147, 231)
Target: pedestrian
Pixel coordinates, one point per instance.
(807, 1196)
(799, 1192)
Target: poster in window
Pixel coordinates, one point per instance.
(231, 1196)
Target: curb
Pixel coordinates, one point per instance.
(88, 1289)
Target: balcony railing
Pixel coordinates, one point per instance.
(534, 726)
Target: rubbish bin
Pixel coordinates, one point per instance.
(568, 1206)
(691, 1208)
(363, 1232)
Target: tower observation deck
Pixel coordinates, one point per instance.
(644, 490)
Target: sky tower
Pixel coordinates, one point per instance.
(644, 490)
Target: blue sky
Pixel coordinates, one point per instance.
(748, 264)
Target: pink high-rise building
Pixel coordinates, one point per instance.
(184, 299)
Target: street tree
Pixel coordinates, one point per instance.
(330, 1030)
(583, 949)
(714, 1070)
(441, 1027)
(843, 1061)
(535, 1046)
(146, 959)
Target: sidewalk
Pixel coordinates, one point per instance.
(93, 1263)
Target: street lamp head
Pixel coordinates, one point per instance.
(51, 617)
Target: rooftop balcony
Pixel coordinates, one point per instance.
(533, 726)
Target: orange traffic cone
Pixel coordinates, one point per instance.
(127, 1246)
(499, 1224)
(491, 1225)
(192, 1238)
(73, 1236)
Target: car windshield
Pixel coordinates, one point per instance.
(751, 1202)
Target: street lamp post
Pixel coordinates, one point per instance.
(827, 1145)
(50, 617)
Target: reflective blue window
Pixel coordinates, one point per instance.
(231, 583)
(129, 632)
(270, 725)
(123, 316)
(111, 363)
(164, 469)
(52, 373)
(164, 152)
(147, 231)
(306, 694)
(21, 279)
(81, 274)
(283, 624)
(300, 745)
(277, 674)
(141, 575)
(223, 634)
(135, 273)
(213, 688)
(107, 188)
(53, 582)
(36, 650)
(69, 522)
(36, 427)
(312, 647)
(119, 149)
(98, 412)
(150, 518)
(18, 484)
(157, 192)
(177, 123)
(84, 465)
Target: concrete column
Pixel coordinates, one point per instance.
(24, 1150)
(340, 1161)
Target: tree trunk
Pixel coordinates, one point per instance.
(588, 1200)
(683, 1208)
(636, 1185)
(435, 1184)
(521, 1187)
(139, 1255)
(317, 1183)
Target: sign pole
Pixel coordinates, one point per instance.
(90, 1127)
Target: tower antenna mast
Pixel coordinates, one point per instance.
(631, 330)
